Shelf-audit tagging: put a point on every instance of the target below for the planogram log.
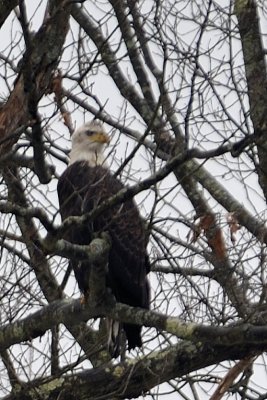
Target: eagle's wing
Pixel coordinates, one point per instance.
(71, 193)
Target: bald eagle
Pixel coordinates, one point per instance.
(83, 186)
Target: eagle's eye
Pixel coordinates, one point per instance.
(89, 132)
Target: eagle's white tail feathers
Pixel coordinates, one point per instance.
(113, 330)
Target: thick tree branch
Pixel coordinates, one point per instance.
(133, 52)
(134, 377)
(68, 311)
(41, 60)
(256, 75)
(126, 88)
(6, 6)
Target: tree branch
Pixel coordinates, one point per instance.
(6, 6)
(68, 311)
(132, 378)
(41, 59)
(256, 72)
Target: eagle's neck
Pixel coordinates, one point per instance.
(92, 157)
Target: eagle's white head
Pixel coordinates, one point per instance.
(88, 144)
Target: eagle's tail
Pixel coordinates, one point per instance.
(133, 334)
(116, 337)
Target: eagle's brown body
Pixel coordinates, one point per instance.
(81, 188)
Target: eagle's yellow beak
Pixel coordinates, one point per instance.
(100, 137)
